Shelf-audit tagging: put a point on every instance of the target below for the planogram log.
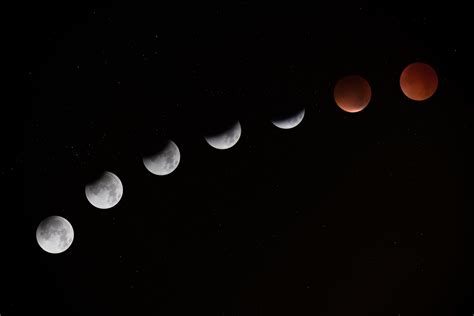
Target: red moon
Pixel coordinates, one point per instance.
(419, 81)
(352, 93)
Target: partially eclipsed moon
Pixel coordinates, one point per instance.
(54, 234)
(225, 139)
(290, 121)
(419, 81)
(352, 93)
(105, 192)
(165, 161)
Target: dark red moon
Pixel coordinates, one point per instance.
(352, 93)
(419, 81)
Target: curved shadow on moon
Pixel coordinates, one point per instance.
(290, 121)
(352, 93)
(105, 192)
(165, 161)
(225, 139)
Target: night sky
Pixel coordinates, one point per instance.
(367, 213)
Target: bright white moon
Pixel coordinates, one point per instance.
(54, 234)
(105, 192)
(165, 161)
(227, 138)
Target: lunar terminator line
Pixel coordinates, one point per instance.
(165, 161)
(289, 121)
(105, 192)
(227, 138)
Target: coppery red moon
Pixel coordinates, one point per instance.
(419, 81)
(352, 93)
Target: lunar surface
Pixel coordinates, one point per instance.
(54, 234)
(165, 161)
(419, 81)
(105, 192)
(352, 93)
(225, 139)
(290, 121)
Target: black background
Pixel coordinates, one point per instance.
(363, 214)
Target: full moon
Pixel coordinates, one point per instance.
(225, 139)
(105, 192)
(54, 234)
(418, 81)
(164, 161)
(290, 121)
(352, 93)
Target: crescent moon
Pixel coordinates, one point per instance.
(225, 139)
(165, 161)
(290, 121)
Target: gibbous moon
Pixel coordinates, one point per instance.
(105, 192)
(54, 234)
(164, 161)
(290, 121)
(419, 81)
(352, 93)
(225, 139)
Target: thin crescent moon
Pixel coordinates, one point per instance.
(226, 139)
(290, 121)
